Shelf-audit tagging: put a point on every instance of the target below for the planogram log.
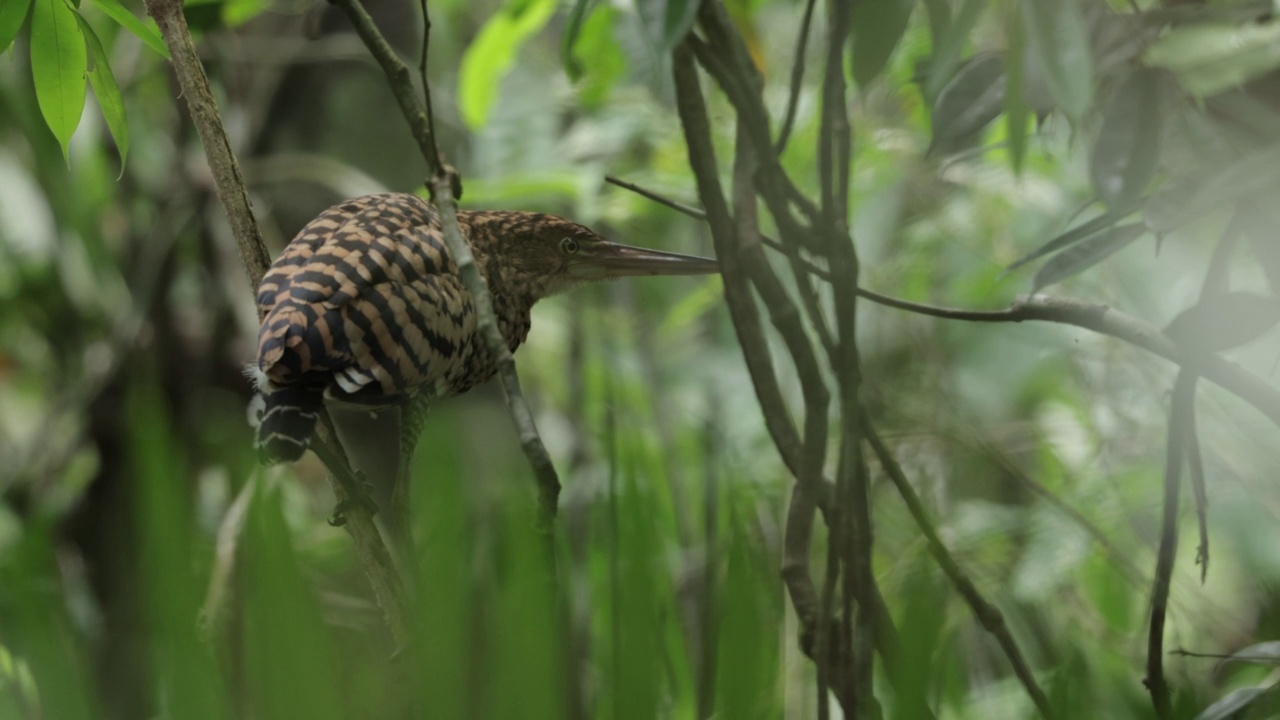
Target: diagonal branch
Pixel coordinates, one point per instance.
(797, 76)
(802, 458)
(988, 615)
(1109, 321)
(231, 190)
(1184, 389)
(445, 187)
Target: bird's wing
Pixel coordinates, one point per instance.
(365, 301)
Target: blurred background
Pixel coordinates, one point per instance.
(126, 320)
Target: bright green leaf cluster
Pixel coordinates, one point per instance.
(67, 56)
(492, 53)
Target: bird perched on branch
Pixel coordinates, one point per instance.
(365, 309)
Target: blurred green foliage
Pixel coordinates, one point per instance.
(125, 319)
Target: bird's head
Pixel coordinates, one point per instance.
(544, 255)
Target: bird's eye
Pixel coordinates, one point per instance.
(569, 246)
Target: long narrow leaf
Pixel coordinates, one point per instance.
(1088, 253)
(970, 101)
(1128, 145)
(1072, 236)
(106, 90)
(573, 66)
(878, 25)
(1185, 202)
(491, 54)
(148, 33)
(58, 60)
(947, 52)
(1060, 39)
(1232, 703)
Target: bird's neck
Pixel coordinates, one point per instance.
(512, 299)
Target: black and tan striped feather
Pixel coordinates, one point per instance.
(366, 306)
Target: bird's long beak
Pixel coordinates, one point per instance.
(610, 260)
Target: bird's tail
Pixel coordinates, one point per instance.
(284, 417)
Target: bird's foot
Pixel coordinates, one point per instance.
(361, 497)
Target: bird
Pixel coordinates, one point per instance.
(364, 312)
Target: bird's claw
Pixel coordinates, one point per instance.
(363, 497)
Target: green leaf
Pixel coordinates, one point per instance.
(1072, 236)
(573, 66)
(147, 31)
(605, 61)
(1211, 58)
(1263, 653)
(1221, 322)
(878, 26)
(12, 14)
(1183, 203)
(1232, 703)
(238, 12)
(666, 22)
(58, 60)
(677, 20)
(939, 13)
(1016, 112)
(1060, 40)
(946, 53)
(1128, 145)
(491, 54)
(1087, 254)
(110, 101)
(972, 99)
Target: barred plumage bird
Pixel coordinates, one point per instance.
(365, 307)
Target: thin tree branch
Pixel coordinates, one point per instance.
(194, 85)
(797, 76)
(213, 612)
(657, 197)
(798, 456)
(398, 77)
(228, 181)
(1195, 464)
(1065, 311)
(445, 188)
(1109, 321)
(357, 520)
(1184, 389)
(852, 482)
(698, 214)
(544, 471)
(1217, 280)
(988, 615)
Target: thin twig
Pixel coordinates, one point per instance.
(1109, 321)
(988, 615)
(194, 85)
(445, 188)
(698, 214)
(1195, 465)
(835, 148)
(1217, 280)
(398, 76)
(797, 76)
(228, 181)
(543, 469)
(426, 85)
(213, 611)
(657, 197)
(1184, 388)
(746, 321)
(357, 518)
